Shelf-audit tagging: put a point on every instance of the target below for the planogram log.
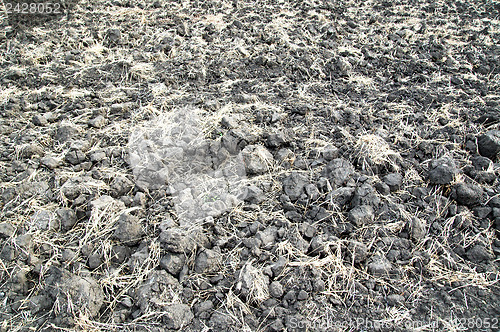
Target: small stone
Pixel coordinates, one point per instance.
(121, 185)
(418, 229)
(468, 194)
(489, 118)
(66, 218)
(120, 253)
(352, 24)
(127, 200)
(298, 242)
(39, 120)
(19, 166)
(128, 230)
(300, 109)
(208, 261)
(251, 279)
(138, 258)
(482, 212)
(489, 144)
(277, 325)
(229, 122)
(204, 306)
(113, 36)
(50, 116)
(73, 292)
(395, 299)
(484, 177)
(97, 122)
(494, 202)
(178, 240)
(98, 156)
(443, 171)
(482, 163)
(312, 191)
(267, 237)
(18, 282)
(394, 181)
(303, 295)
(301, 163)
(361, 215)
(7, 253)
(277, 139)
(43, 220)
(173, 263)
(344, 66)
(341, 197)
(291, 296)
(86, 166)
(330, 152)
(318, 245)
(31, 150)
(39, 303)
(235, 140)
(365, 195)
(121, 107)
(319, 285)
(456, 80)
(177, 316)
(479, 254)
(140, 199)
(358, 251)
(309, 231)
(82, 145)
(127, 302)
(6, 230)
(166, 223)
(338, 171)
(278, 266)
(258, 160)
(51, 162)
(65, 133)
(159, 290)
(276, 289)
(420, 259)
(94, 261)
(294, 184)
(382, 188)
(252, 194)
(284, 154)
(75, 157)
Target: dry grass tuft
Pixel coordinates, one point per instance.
(373, 149)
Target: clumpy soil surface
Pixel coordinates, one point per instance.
(251, 166)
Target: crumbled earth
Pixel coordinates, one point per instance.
(370, 137)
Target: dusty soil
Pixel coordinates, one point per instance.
(250, 165)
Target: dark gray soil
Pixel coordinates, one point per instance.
(251, 165)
